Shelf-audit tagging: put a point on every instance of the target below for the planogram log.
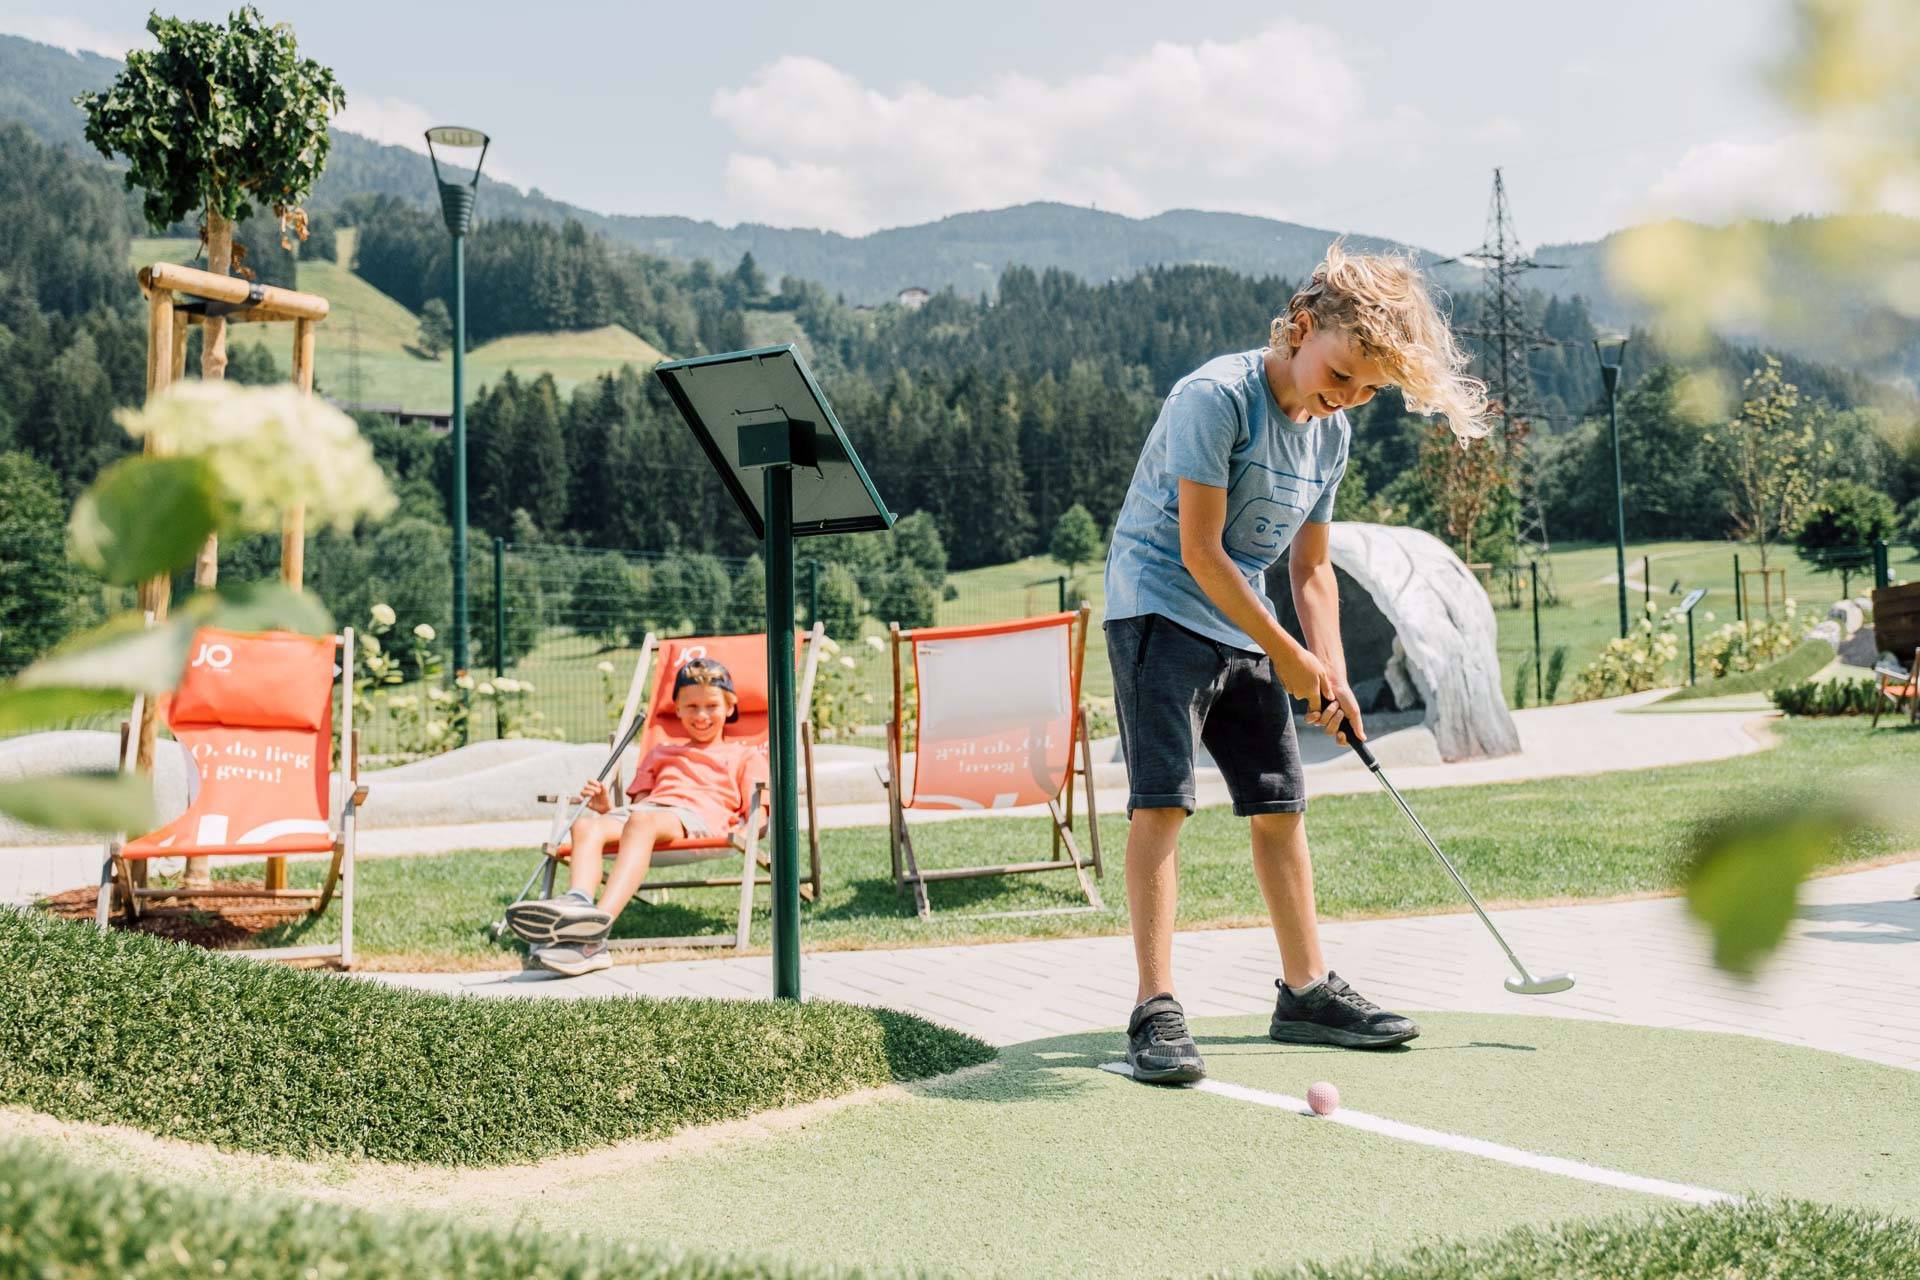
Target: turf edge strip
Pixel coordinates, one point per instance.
(1457, 1142)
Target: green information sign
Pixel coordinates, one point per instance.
(761, 411)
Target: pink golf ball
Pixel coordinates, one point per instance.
(1323, 1098)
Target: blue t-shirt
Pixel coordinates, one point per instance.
(1220, 426)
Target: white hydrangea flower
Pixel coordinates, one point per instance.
(271, 448)
(826, 643)
(424, 631)
(604, 667)
(383, 614)
(506, 684)
(485, 689)
(876, 644)
(526, 686)
(847, 663)
(464, 682)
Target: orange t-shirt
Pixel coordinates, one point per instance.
(715, 781)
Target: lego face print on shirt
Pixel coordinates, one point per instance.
(1264, 507)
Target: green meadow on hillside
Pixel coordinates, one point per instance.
(370, 334)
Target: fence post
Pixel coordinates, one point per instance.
(1539, 676)
(1061, 581)
(1646, 579)
(1882, 571)
(1739, 591)
(1689, 648)
(499, 620)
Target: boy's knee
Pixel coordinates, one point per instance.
(1277, 824)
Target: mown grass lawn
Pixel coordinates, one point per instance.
(1557, 839)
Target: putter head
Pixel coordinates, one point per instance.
(1546, 984)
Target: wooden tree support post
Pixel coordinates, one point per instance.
(167, 327)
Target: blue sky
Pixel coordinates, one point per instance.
(1384, 118)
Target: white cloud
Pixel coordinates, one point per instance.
(1731, 178)
(394, 121)
(74, 35)
(1206, 125)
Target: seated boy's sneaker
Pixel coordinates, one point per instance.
(567, 918)
(1160, 1049)
(1331, 1012)
(573, 959)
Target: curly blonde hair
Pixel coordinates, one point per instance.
(1383, 302)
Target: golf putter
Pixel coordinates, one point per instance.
(579, 806)
(1526, 984)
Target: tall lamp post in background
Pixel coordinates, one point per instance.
(1611, 347)
(456, 205)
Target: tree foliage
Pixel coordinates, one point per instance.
(220, 119)
(1076, 538)
(1767, 453)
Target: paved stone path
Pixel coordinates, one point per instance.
(1847, 980)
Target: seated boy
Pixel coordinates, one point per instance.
(697, 788)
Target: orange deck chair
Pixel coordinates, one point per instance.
(998, 720)
(255, 714)
(745, 657)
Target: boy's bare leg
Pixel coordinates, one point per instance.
(590, 835)
(1285, 872)
(1153, 895)
(644, 830)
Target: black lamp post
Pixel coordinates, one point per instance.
(456, 205)
(1610, 348)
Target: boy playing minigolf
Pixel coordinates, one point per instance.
(1243, 463)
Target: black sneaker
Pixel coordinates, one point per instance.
(1159, 1048)
(1334, 1013)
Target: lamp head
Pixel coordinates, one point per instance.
(1611, 348)
(469, 148)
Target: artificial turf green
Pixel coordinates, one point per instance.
(123, 1029)
(77, 1223)
(1048, 1165)
(1791, 668)
(1598, 836)
(1789, 1240)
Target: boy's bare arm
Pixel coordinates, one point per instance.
(1203, 521)
(1316, 597)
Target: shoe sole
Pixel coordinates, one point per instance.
(1168, 1075)
(1314, 1033)
(537, 922)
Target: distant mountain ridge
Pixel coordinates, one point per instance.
(966, 252)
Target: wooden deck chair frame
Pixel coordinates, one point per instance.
(907, 872)
(116, 873)
(746, 841)
(1896, 626)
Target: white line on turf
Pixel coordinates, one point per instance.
(1458, 1142)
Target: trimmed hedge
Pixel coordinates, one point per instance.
(76, 1223)
(123, 1029)
(1810, 656)
(1770, 1240)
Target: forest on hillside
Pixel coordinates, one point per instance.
(989, 415)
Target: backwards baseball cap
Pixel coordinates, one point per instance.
(706, 671)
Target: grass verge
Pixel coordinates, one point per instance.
(1799, 665)
(1556, 839)
(122, 1029)
(59, 1219)
(1768, 1239)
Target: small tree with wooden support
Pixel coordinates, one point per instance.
(218, 120)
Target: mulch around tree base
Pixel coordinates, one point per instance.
(216, 923)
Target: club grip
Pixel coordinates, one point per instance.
(1360, 749)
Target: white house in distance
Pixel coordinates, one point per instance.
(913, 297)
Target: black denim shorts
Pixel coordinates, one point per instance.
(1175, 689)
